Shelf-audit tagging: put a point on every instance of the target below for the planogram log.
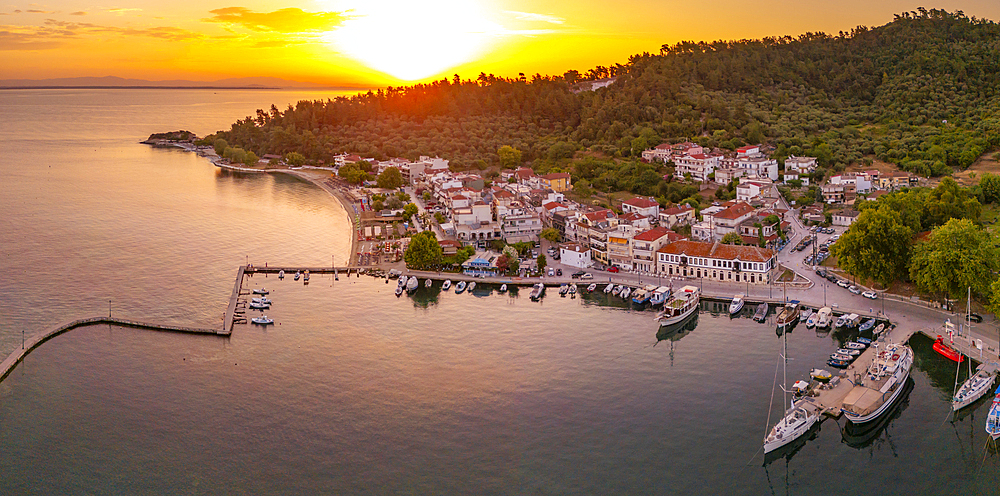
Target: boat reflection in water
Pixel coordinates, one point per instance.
(860, 436)
(676, 331)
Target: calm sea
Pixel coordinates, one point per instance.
(357, 391)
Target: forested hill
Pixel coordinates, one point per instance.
(920, 91)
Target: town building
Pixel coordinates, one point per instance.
(557, 181)
(575, 255)
(678, 215)
(645, 244)
(717, 261)
(845, 217)
(698, 165)
(647, 207)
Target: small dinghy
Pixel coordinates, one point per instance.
(868, 324)
(563, 289)
(281, 274)
(626, 292)
(878, 329)
(821, 375)
(592, 287)
(617, 290)
(848, 352)
(472, 285)
(572, 289)
(503, 288)
(261, 291)
(447, 285)
(804, 316)
(609, 288)
(460, 287)
(429, 283)
(864, 341)
(297, 275)
(855, 345)
(262, 320)
(399, 290)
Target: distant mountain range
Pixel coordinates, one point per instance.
(117, 82)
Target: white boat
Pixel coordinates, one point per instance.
(412, 284)
(297, 275)
(680, 306)
(805, 314)
(259, 306)
(503, 288)
(393, 273)
(563, 289)
(993, 419)
(592, 287)
(609, 288)
(472, 285)
(625, 292)
(262, 320)
(659, 296)
(798, 419)
(460, 287)
(852, 320)
(823, 317)
(281, 274)
(618, 289)
(402, 281)
(841, 321)
(429, 282)
(572, 289)
(880, 386)
(878, 329)
(262, 300)
(812, 320)
(736, 305)
(447, 285)
(537, 291)
(399, 290)
(261, 291)
(974, 387)
(848, 351)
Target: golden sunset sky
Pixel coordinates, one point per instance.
(368, 43)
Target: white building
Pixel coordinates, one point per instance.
(717, 261)
(802, 165)
(575, 255)
(645, 244)
(698, 165)
(646, 207)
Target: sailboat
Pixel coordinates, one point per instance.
(977, 385)
(798, 419)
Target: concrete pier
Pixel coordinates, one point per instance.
(8, 365)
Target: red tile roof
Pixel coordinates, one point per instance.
(734, 212)
(640, 202)
(600, 214)
(717, 251)
(556, 175)
(654, 234)
(678, 209)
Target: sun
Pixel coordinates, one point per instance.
(413, 40)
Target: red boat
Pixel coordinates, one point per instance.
(947, 351)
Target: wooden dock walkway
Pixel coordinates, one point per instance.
(227, 321)
(8, 365)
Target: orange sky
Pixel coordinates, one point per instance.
(384, 42)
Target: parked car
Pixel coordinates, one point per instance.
(552, 272)
(808, 260)
(613, 269)
(830, 277)
(821, 272)
(558, 272)
(843, 283)
(854, 289)
(587, 275)
(870, 294)
(578, 274)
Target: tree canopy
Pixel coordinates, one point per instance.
(390, 178)
(732, 238)
(877, 246)
(956, 256)
(424, 252)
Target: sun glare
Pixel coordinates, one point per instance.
(414, 40)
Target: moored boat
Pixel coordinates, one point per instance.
(447, 285)
(855, 345)
(262, 300)
(262, 320)
(259, 306)
(503, 288)
(848, 351)
(761, 314)
(592, 287)
(823, 317)
(947, 351)
(821, 375)
(840, 364)
(736, 305)
(537, 291)
(618, 289)
(297, 275)
(993, 419)
(640, 296)
(868, 324)
(429, 282)
(680, 305)
(788, 315)
(626, 292)
(840, 356)
(399, 290)
(974, 387)
(460, 287)
(412, 284)
(797, 421)
(659, 296)
(880, 386)
(572, 289)
(305, 275)
(609, 288)
(472, 285)
(805, 314)
(261, 291)
(563, 289)
(878, 329)
(811, 321)
(281, 274)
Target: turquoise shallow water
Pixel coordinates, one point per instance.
(355, 390)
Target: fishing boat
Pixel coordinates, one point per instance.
(761, 314)
(447, 285)
(805, 314)
(811, 321)
(821, 375)
(993, 419)
(974, 387)
(472, 285)
(848, 351)
(281, 274)
(855, 345)
(618, 289)
(262, 320)
(259, 306)
(297, 275)
(412, 284)
(823, 317)
(659, 296)
(537, 291)
(841, 321)
(609, 288)
(503, 288)
(798, 419)
(788, 315)
(736, 305)
(852, 320)
(680, 305)
(880, 386)
(868, 324)
(460, 287)
(262, 300)
(840, 364)
(626, 292)
(261, 291)
(878, 329)
(563, 289)
(840, 356)
(947, 351)
(640, 296)
(592, 287)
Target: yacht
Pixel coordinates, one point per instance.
(262, 320)
(412, 284)
(537, 291)
(788, 315)
(880, 386)
(736, 305)
(823, 317)
(680, 306)
(974, 388)
(447, 285)
(797, 421)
